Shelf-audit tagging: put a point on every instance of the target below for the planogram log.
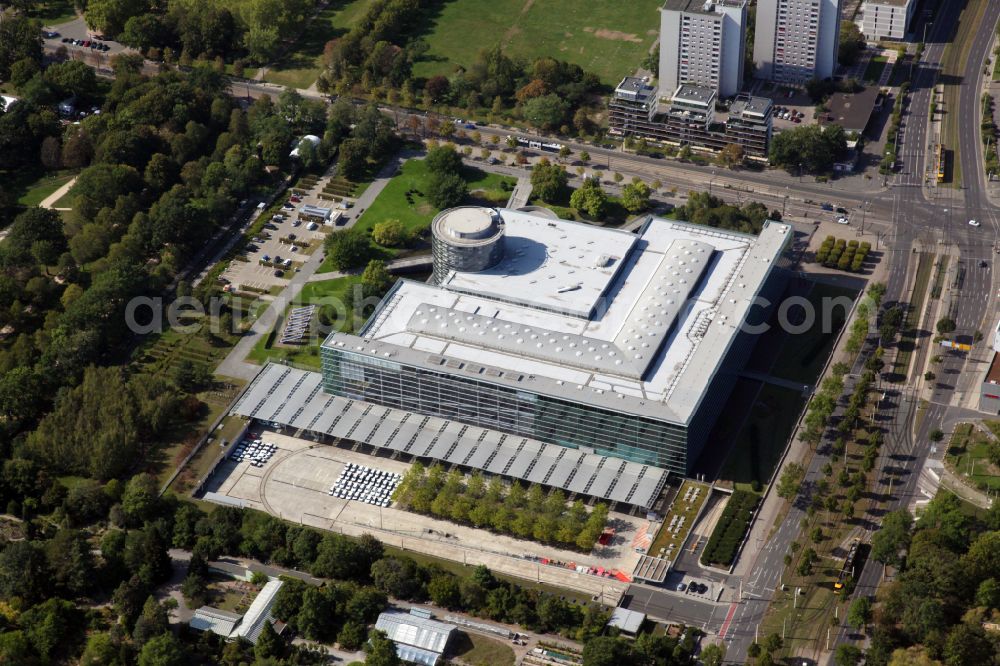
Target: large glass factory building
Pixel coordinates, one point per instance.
(599, 340)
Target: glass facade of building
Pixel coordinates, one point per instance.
(478, 402)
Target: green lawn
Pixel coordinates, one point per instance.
(53, 12)
(327, 292)
(44, 186)
(875, 67)
(968, 456)
(480, 650)
(414, 211)
(302, 65)
(608, 37)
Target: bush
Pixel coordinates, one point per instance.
(731, 528)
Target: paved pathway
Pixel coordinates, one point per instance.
(235, 365)
(57, 195)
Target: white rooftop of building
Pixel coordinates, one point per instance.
(418, 639)
(638, 323)
(259, 612)
(550, 264)
(626, 620)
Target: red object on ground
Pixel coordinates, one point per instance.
(625, 578)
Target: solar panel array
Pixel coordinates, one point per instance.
(299, 324)
(295, 398)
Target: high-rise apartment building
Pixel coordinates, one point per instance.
(796, 40)
(701, 42)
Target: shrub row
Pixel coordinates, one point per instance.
(731, 528)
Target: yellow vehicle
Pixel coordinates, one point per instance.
(940, 162)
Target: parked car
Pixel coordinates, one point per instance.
(288, 206)
(842, 220)
(293, 248)
(312, 226)
(277, 258)
(291, 236)
(296, 223)
(826, 206)
(841, 210)
(681, 587)
(294, 199)
(50, 34)
(279, 273)
(973, 223)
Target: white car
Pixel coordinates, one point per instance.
(973, 223)
(842, 220)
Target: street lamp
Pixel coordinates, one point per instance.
(712, 180)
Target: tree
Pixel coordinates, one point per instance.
(99, 651)
(397, 577)
(375, 280)
(813, 148)
(390, 233)
(24, 572)
(151, 623)
(446, 190)
(988, 593)
(548, 180)
(967, 644)
(443, 160)
(110, 16)
(47, 625)
(164, 650)
(584, 156)
(347, 249)
(732, 155)
(605, 651)
(547, 111)
(444, 591)
(20, 38)
(590, 199)
(852, 43)
(945, 325)
(269, 644)
(141, 498)
(859, 614)
(713, 654)
(381, 651)
(847, 654)
(791, 479)
(635, 197)
(353, 159)
(893, 537)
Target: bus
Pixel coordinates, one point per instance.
(847, 571)
(940, 162)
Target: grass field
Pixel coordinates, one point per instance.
(875, 67)
(968, 455)
(953, 62)
(37, 192)
(327, 291)
(403, 199)
(608, 38)
(53, 12)
(481, 651)
(764, 435)
(300, 67)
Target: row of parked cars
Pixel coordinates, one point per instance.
(85, 43)
(785, 113)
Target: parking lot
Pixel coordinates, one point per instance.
(270, 258)
(295, 484)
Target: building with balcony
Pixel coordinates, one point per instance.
(688, 117)
(701, 42)
(796, 40)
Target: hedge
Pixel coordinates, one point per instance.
(731, 528)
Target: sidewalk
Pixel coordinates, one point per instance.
(57, 195)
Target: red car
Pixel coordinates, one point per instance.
(294, 199)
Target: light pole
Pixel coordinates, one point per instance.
(711, 180)
(926, 25)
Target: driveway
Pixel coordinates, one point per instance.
(234, 364)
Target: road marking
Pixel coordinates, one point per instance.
(729, 618)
